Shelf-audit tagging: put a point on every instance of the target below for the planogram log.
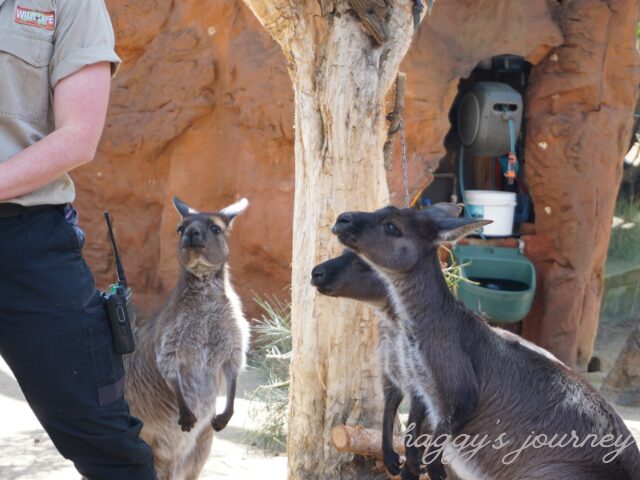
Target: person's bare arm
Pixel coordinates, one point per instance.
(80, 106)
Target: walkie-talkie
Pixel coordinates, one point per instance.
(119, 305)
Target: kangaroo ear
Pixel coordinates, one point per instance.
(451, 229)
(233, 210)
(182, 208)
(450, 209)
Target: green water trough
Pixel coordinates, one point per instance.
(498, 283)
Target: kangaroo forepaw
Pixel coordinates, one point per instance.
(412, 461)
(436, 470)
(407, 474)
(187, 420)
(391, 461)
(220, 421)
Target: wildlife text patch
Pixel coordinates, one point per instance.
(36, 18)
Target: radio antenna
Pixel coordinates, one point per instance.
(121, 277)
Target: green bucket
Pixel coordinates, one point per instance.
(506, 282)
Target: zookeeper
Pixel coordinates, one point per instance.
(56, 61)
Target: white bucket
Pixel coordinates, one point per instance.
(492, 205)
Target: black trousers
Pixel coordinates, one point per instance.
(55, 337)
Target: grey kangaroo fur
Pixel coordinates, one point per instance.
(182, 352)
(351, 277)
(477, 383)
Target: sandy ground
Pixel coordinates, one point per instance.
(26, 453)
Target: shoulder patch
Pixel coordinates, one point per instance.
(35, 18)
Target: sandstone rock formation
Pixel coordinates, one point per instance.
(202, 108)
(580, 106)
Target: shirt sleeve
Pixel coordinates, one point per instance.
(83, 36)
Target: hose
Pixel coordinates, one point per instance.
(461, 180)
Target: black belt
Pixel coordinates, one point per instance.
(14, 210)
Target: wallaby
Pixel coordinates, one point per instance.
(182, 352)
(497, 409)
(351, 277)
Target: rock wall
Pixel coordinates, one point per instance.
(580, 105)
(202, 109)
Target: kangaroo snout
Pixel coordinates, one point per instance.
(318, 275)
(343, 223)
(193, 237)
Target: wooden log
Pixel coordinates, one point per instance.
(366, 442)
(362, 441)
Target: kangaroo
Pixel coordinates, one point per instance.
(497, 409)
(351, 277)
(199, 336)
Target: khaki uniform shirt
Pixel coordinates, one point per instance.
(42, 42)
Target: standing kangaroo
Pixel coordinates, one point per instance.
(198, 336)
(351, 277)
(541, 420)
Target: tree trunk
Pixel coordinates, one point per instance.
(340, 78)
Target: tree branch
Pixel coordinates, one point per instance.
(276, 16)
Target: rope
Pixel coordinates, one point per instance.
(461, 180)
(512, 135)
(512, 158)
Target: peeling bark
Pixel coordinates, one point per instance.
(373, 14)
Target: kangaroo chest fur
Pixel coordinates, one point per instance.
(393, 349)
(200, 318)
(199, 336)
(408, 368)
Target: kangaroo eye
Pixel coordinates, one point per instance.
(180, 230)
(391, 229)
(215, 229)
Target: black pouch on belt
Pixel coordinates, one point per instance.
(121, 316)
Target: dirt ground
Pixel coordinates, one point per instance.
(26, 453)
